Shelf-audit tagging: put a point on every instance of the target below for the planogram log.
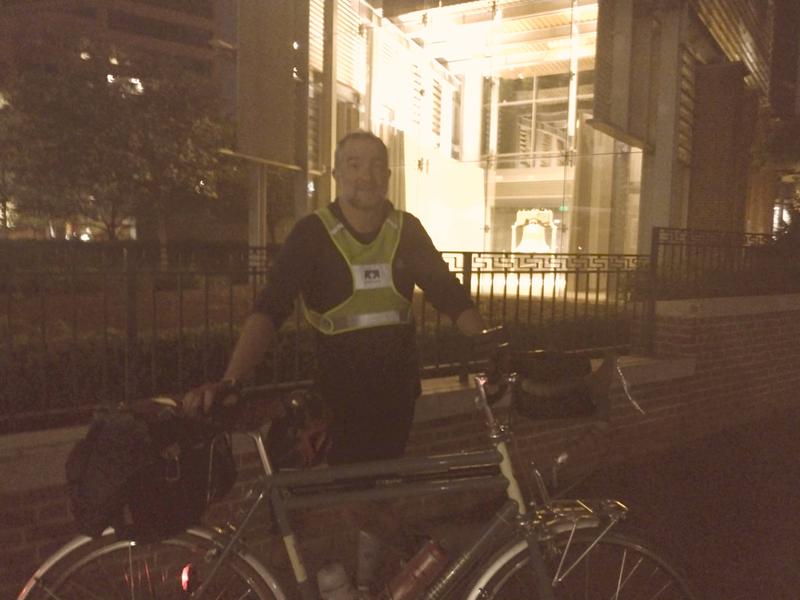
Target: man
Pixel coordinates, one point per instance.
(354, 265)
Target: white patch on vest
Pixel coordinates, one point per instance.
(336, 228)
(370, 277)
(387, 317)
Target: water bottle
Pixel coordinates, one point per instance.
(418, 574)
(370, 552)
(334, 583)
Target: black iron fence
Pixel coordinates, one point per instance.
(564, 301)
(84, 323)
(89, 323)
(690, 263)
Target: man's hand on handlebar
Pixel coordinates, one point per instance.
(211, 399)
(226, 404)
(232, 407)
(487, 342)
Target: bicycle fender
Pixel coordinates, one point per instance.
(217, 537)
(495, 563)
(221, 540)
(56, 556)
(514, 547)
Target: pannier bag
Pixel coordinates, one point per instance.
(552, 385)
(147, 471)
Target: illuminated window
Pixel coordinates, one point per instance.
(133, 85)
(7, 214)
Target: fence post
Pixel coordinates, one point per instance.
(131, 325)
(466, 271)
(466, 274)
(650, 325)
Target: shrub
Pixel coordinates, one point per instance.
(92, 370)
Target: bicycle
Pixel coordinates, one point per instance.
(541, 547)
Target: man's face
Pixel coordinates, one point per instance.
(362, 175)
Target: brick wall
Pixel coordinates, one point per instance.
(717, 363)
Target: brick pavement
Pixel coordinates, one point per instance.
(728, 505)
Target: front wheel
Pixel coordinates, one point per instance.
(587, 567)
(172, 569)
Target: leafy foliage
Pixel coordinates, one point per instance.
(109, 141)
(10, 155)
(92, 371)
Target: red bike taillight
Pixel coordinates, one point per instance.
(188, 583)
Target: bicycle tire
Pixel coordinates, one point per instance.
(620, 565)
(111, 568)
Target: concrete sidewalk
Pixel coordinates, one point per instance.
(727, 506)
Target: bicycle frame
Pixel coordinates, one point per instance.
(537, 532)
(480, 470)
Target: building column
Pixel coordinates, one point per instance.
(471, 119)
(257, 216)
(470, 125)
(270, 113)
(663, 198)
(491, 166)
(373, 103)
(300, 44)
(327, 191)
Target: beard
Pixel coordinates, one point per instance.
(365, 199)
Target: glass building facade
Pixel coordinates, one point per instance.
(569, 126)
(487, 111)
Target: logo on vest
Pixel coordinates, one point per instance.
(372, 276)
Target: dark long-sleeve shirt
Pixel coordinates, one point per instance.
(371, 360)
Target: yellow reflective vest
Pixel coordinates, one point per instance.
(375, 301)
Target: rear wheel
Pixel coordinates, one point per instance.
(113, 569)
(617, 566)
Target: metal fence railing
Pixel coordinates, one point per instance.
(565, 301)
(691, 263)
(82, 324)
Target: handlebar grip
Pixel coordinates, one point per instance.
(225, 403)
(235, 407)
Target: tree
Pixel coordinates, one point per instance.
(177, 141)
(108, 142)
(9, 150)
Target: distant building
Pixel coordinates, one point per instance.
(36, 31)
